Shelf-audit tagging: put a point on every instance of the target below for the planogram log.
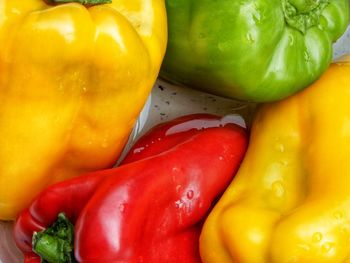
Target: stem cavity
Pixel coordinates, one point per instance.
(55, 244)
(304, 14)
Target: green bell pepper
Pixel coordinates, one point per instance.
(255, 50)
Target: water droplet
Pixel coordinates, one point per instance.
(291, 40)
(250, 38)
(326, 247)
(257, 17)
(190, 194)
(338, 215)
(305, 247)
(279, 147)
(15, 11)
(345, 230)
(61, 87)
(178, 188)
(317, 237)
(179, 203)
(221, 158)
(175, 169)
(84, 89)
(138, 150)
(122, 208)
(284, 162)
(104, 144)
(306, 56)
(223, 46)
(278, 188)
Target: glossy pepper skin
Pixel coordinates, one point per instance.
(289, 201)
(255, 50)
(73, 81)
(151, 208)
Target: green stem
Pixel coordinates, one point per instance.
(55, 244)
(83, 2)
(302, 15)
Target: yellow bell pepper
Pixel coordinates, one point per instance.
(290, 200)
(73, 79)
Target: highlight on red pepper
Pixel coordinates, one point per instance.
(149, 209)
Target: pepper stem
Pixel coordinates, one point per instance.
(55, 244)
(302, 15)
(83, 2)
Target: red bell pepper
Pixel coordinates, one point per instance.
(149, 209)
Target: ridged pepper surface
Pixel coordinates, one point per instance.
(290, 200)
(256, 50)
(73, 79)
(149, 209)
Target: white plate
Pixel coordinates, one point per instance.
(165, 103)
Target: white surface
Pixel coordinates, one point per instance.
(166, 102)
(342, 46)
